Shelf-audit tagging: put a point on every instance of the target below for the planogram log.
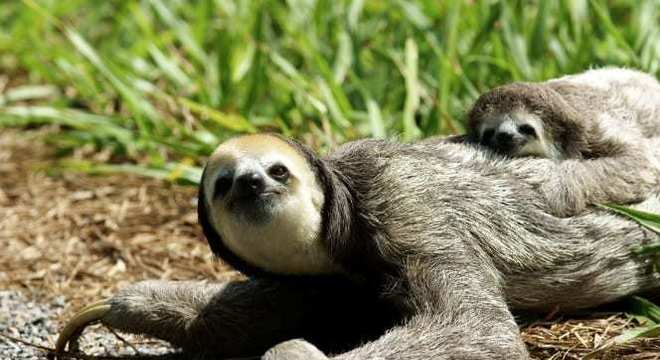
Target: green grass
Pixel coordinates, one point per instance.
(161, 81)
(650, 221)
(646, 313)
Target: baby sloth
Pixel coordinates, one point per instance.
(602, 125)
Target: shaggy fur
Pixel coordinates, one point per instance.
(598, 123)
(437, 242)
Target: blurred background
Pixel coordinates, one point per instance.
(141, 92)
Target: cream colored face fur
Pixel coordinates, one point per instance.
(289, 242)
(510, 122)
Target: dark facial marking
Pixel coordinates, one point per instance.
(527, 130)
(506, 142)
(487, 136)
(222, 185)
(504, 137)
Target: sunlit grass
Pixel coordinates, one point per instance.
(159, 81)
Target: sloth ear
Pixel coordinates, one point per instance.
(338, 213)
(215, 240)
(351, 239)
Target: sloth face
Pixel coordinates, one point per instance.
(516, 133)
(265, 203)
(253, 189)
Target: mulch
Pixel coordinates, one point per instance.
(82, 237)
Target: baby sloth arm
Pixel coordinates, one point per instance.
(622, 178)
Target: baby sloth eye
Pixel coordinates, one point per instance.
(222, 186)
(279, 172)
(527, 130)
(487, 135)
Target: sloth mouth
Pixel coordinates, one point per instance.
(510, 148)
(263, 195)
(269, 193)
(507, 150)
(255, 206)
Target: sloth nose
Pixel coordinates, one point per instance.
(506, 142)
(504, 138)
(251, 183)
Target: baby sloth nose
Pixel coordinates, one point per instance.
(503, 138)
(251, 183)
(505, 141)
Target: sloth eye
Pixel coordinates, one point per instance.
(487, 135)
(279, 172)
(526, 129)
(222, 186)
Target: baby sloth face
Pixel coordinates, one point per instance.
(515, 133)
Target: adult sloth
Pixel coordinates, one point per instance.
(380, 251)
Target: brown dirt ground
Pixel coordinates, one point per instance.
(85, 236)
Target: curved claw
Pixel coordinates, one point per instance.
(71, 332)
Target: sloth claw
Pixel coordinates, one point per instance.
(73, 328)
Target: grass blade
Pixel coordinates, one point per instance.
(642, 307)
(605, 19)
(410, 129)
(169, 67)
(181, 29)
(233, 122)
(647, 219)
(175, 172)
(138, 104)
(97, 124)
(375, 120)
(28, 92)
